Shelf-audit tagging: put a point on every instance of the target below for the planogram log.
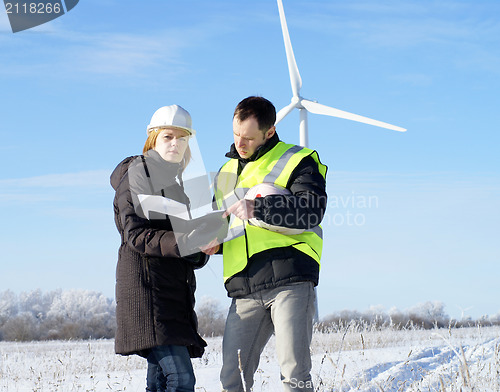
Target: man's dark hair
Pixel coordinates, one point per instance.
(258, 107)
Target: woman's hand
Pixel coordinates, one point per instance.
(211, 249)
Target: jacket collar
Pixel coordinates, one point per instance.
(162, 168)
(262, 150)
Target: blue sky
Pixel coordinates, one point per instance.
(412, 216)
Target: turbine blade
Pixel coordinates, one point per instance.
(295, 78)
(318, 108)
(284, 112)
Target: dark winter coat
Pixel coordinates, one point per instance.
(282, 266)
(154, 284)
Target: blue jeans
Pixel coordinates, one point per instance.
(170, 370)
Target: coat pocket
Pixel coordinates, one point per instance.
(146, 273)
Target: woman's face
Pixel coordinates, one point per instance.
(171, 144)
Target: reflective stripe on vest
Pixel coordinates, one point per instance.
(276, 167)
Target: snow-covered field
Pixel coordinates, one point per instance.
(352, 359)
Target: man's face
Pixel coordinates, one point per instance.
(248, 137)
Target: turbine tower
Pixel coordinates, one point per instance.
(305, 105)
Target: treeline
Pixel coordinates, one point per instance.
(427, 315)
(78, 314)
(82, 314)
(71, 314)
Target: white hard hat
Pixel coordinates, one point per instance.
(171, 116)
(262, 190)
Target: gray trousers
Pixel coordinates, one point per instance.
(287, 311)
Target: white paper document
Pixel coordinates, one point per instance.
(154, 203)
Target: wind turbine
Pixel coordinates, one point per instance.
(305, 105)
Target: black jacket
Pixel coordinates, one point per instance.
(280, 266)
(154, 284)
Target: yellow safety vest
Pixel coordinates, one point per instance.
(275, 167)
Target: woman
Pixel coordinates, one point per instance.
(155, 284)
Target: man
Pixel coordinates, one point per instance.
(270, 275)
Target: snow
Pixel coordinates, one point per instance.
(353, 359)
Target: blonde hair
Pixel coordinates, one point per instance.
(151, 143)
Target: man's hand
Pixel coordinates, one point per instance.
(243, 209)
(211, 249)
